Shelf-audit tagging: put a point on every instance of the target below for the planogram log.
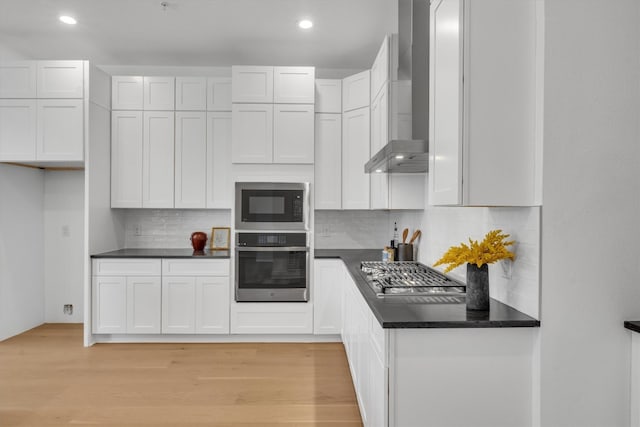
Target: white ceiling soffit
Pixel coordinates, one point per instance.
(346, 33)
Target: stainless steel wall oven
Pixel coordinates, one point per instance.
(272, 267)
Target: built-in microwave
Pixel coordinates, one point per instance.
(272, 206)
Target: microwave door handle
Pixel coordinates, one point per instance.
(273, 249)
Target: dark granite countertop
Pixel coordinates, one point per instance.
(633, 325)
(163, 253)
(394, 314)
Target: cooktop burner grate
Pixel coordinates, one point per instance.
(411, 278)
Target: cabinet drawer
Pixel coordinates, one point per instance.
(127, 267)
(271, 318)
(195, 267)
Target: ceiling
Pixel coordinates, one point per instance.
(346, 33)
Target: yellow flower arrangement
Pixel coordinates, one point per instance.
(493, 248)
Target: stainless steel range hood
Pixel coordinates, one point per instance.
(408, 153)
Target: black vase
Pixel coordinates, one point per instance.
(477, 287)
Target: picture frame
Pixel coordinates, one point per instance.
(220, 237)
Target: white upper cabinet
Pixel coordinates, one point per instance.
(485, 128)
(252, 133)
(191, 160)
(219, 178)
(60, 130)
(126, 159)
(60, 79)
(355, 153)
(219, 94)
(158, 159)
(293, 135)
(18, 79)
(356, 91)
(159, 93)
(191, 93)
(294, 85)
(126, 93)
(328, 161)
(328, 96)
(252, 84)
(18, 122)
(380, 69)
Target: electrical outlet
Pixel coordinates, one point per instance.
(68, 309)
(507, 268)
(66, 232)
(138, 230)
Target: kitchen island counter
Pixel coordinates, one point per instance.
(162, 253)
(394, 313)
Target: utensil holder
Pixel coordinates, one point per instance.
(405, 252)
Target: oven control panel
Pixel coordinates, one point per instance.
(271, 239)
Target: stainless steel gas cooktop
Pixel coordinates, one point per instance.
(389, 279)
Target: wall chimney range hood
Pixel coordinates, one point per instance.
(409, 152)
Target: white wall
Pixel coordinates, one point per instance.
(21, 249)
(590, 231)
(63, 245)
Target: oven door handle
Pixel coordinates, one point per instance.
(272, 249)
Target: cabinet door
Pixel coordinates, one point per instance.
(126, 159)
(18, 79)
(327, 308)
(18, 121)
(157, 159)
(356, 91)
(380, 68)
(109, 301)
(191, 160)
(293, 135)
(178, 305)
(445, 103)
(294, 85)
(60, 131)
(159, 93)
(252, 84)
(355, 153)
(328, 96)
(379, 138)
(191, 93)
(60, 79)
(126, 93)
(212, 305)
(219, 178)
(252, 133)
(378, 395)
(219, 94)
(143, 305)
(328, 161)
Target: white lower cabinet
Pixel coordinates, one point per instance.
(153, 296)
(126, 296)
(366, 345)
(327, 296)
(271, 318)
(143, 305)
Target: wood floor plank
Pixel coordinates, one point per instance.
(47, 378)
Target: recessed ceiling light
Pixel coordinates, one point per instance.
(378, 170)
(305, 24)
(400, 156)
(69, 20)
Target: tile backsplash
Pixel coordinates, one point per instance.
(517, 284)
(170, 228)
(351, 229)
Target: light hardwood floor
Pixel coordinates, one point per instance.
(47, 378)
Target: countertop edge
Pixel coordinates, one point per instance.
(632, 325)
